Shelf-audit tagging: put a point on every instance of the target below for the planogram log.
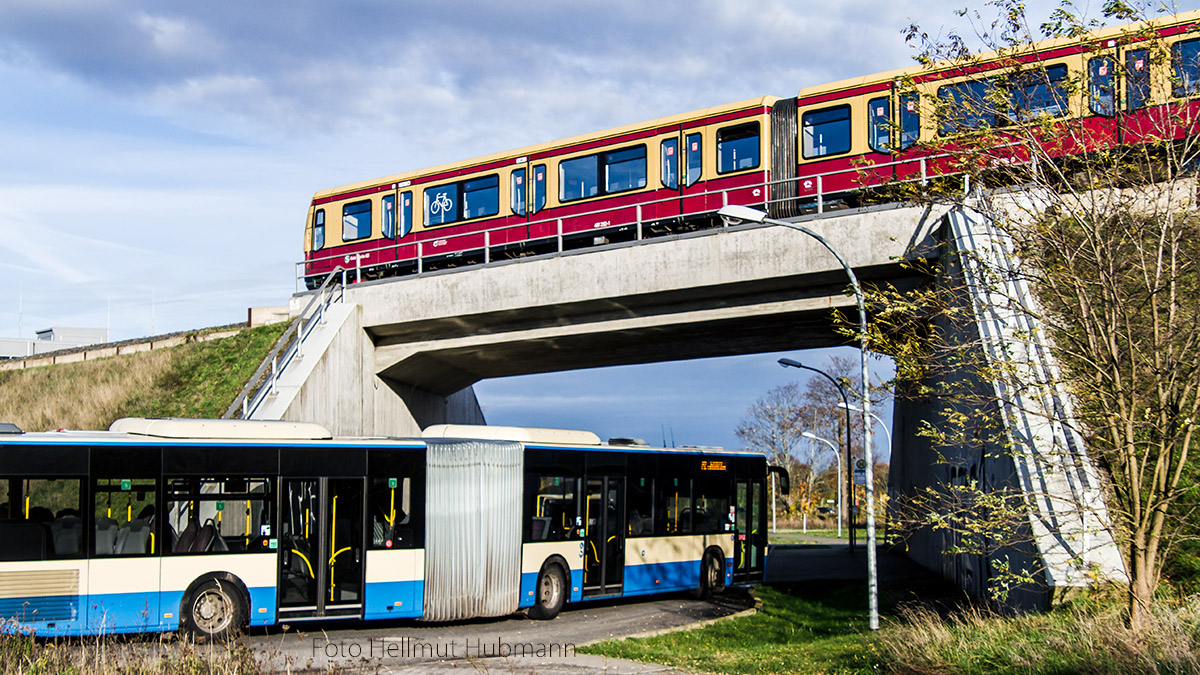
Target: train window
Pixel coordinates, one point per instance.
(624, 169)
(693, 151)
(670, 163)
(539, 187)
(1038, 92)
(910, 120)
(879, 124)
(318, 241)
(389, 216)
(1102, 86)
(356, 220)
(1137, 78)
(968, 106)
(406, 222)
(1185, 59)
(826, 132)
(516, 190)
(473, 198)
(737, 148)
(481, 197)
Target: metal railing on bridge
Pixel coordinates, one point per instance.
(288, 348)
(817, 203)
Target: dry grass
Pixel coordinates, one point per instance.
(1091, 640)
(198, 379)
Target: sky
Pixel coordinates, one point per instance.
(159, 155)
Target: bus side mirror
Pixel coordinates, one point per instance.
(785, 482)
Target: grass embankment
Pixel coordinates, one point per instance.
(196, 379)
(820, 627)
(22, 655)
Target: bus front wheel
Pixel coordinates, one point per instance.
(551, 593)
(712, 580)
(215, 611)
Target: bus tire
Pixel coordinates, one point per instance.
(214, 611)
(551, 593)
(712, 579)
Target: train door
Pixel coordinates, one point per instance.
(693, 184)
(751, 532)
(604, 536)
(321, 547)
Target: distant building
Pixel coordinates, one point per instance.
(52, 340)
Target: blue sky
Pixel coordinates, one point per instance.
(159, 154)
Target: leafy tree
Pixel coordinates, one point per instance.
(1102, 218)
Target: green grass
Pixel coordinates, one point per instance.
(815, 627)
(205, 377)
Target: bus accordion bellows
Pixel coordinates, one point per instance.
(212, 525)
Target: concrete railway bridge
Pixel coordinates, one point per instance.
(390, 357)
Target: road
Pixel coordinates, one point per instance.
(404, 645)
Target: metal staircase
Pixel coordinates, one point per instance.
(1067, 512)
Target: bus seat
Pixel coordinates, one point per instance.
(106, 536)
(186, 538)
(204, 538)
(541, 529)
(133, 538)
(67, 534)
(22, 540)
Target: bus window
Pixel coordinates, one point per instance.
(41, 519)
(389, 216)
(669, 155)
(676, 512)
(356, 220)
(879, 124)
(910, 120)
(1185, 60)
(640, 502)
(539, 187)
(710, 506)
(219, 515)
(389, 507)
(318, 241)
(552, 508)
(1102, 86)
(517, 191)
(694, 156)
(737, 148)
(124, 516)
(1137, 78)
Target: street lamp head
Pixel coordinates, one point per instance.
(790, 363)
(734, 214)
(809, 434)
(849, 407)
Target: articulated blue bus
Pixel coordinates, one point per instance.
(213, 525)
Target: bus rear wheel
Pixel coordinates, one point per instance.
(214, 612)
(711, 578)
(551, 593)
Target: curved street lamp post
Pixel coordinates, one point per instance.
(736, 212)
(837, 462)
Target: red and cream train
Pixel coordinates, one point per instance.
(787, 155)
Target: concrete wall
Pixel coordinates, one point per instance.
(343, 393)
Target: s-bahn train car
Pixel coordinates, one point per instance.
(665, 175)
(824, 148)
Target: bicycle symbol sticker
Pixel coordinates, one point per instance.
(440, 205)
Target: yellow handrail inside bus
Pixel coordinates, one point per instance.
(151, 543)
(306, 563)
(391, 521)
(26, 506)
(332, 544)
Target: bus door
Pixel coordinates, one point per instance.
(321, 547)
(604, 536)
(751, 534)
(693, 184)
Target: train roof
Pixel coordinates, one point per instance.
(945, 68)
(173, 431)
(762, 101)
